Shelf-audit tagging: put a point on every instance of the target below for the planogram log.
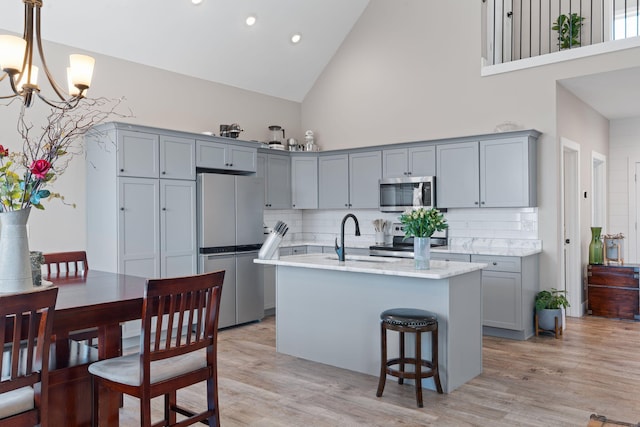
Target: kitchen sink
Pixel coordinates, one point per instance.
(366, 258)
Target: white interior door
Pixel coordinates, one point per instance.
(571, 262)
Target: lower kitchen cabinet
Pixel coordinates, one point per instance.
(509, 286)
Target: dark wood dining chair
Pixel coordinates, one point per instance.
(178, 346)
(66, 263)
(72, 263)
(26, 320)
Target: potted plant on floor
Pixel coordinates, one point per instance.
(549, 305)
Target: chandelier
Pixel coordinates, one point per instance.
(16, 61)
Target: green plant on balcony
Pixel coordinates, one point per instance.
(568, 28)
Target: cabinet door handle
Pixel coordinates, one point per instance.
(164, 172)
(409, 173)
(164, 209)
(494, 263)
(482, 203)
(346, 205)
(122, 208)
(475, 203)
(121, 170)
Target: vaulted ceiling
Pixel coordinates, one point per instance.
(210, 41)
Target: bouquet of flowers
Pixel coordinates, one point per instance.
(421, 222)
(24, 175)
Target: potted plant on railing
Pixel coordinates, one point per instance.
(568, 28)
(549, 305)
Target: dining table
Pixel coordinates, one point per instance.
(90, 299)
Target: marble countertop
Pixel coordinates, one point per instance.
(376, 265)
(472, 249)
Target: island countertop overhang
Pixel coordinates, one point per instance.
(376, 265)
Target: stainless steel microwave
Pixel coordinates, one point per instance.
(400, 194)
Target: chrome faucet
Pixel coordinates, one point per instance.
(340, 249)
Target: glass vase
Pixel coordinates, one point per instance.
(422, 252)
(596, 247)
(15, 260)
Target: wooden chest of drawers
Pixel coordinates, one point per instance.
(614, 291)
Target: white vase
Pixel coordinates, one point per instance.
(422, 252)
(15, 260)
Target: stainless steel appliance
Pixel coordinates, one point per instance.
(400, 194)
(403, 248)
(230, 234)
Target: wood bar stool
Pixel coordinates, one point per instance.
(412, 321)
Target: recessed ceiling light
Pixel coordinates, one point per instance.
(251, 20)
(295, 38)
(196, 1)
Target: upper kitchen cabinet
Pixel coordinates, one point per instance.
(304, 181)
(349, 180)
(138, 154)
(225, 156)
(177, 158)
(508, 172)
(146, 155)
(413, 161)
(275, 169)
(498, 172)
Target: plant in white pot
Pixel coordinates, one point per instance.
(549, 305)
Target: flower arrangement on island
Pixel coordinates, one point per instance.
(46, 152)
(421, 222)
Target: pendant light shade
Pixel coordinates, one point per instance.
(16, 61)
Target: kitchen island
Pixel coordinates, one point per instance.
(329, 311)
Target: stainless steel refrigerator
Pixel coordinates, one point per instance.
(230, 234)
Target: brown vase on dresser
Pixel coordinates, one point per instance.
(613, 291)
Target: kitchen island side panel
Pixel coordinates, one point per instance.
(333, 317)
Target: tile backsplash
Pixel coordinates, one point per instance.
(484, 223)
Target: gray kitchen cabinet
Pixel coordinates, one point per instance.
(269, 277)
(458, 175)
(413, 161)
(495, 173)
(276, 171)
(333, 182)
(364, 173)
(508, 172)
(304, 182)
(177, 158)
(349, 180)
(139, 225)
(137, 237)
(225, 156)
(312, 249)
(509, 286)
(177, 227)
(441, 256)
(138, 154)
(226, 262)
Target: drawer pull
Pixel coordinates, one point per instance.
(494, 263)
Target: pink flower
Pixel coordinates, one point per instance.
(3, 151)
(39, 168)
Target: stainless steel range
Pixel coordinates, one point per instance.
(403, 248)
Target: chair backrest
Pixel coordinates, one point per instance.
(187, 309)
(67, 263)
(26, 321)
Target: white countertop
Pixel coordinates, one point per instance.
(457, 249)
(376, 265)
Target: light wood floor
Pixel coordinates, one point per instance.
(595, 368)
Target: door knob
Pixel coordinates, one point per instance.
(567, 241)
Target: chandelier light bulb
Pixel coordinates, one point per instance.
(25, 80)
(81, 70)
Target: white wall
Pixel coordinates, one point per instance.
(410, 70)
(624, 152)
(156, 98)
